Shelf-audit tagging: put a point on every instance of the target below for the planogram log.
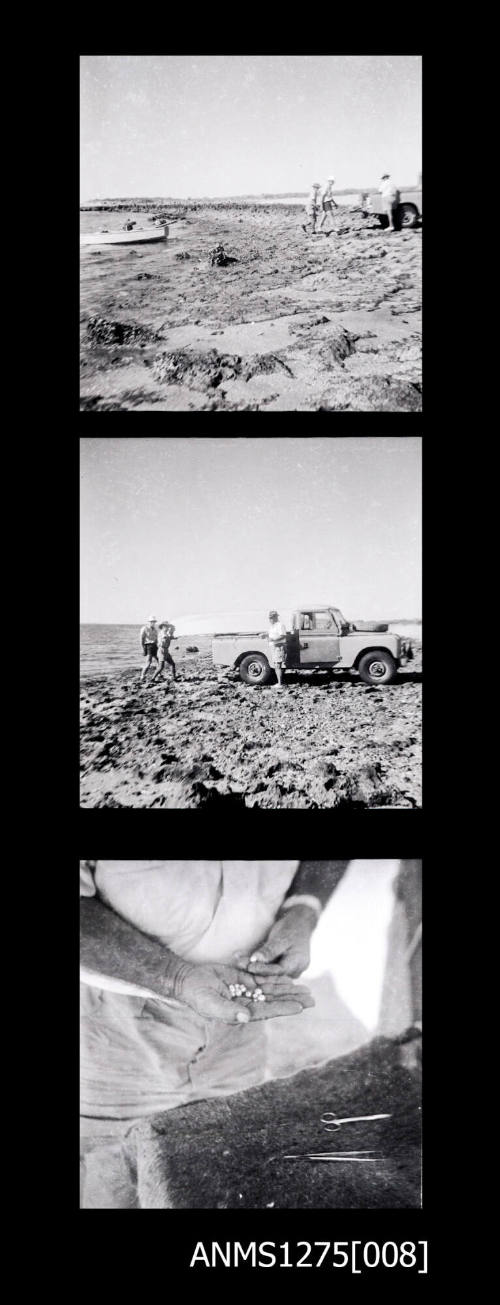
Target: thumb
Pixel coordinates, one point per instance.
(263, 954)
(241, 1013)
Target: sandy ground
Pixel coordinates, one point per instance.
(296, 322)
(323, 741)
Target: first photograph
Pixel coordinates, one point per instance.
(250, 233)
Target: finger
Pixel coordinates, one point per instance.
(302, 997)
(272, 1009)
(264, 967)
(230, 1012)
(250, 965)
(264, 955)
(295, 967)
(283, 994)
(275, 987)
(285, 987)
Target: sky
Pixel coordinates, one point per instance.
(192, 527)
(214, 125)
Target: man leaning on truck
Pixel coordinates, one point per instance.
(277, 642)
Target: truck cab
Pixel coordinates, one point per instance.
(315, 636)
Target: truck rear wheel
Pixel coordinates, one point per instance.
(407, 215)
(255, 669)
(377, 667)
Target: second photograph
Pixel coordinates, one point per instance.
(251, 625)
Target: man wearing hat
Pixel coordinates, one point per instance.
(390, 196)
(277, 642)
(167, 632)
(149, 644)
(312, 208)
(327, 201)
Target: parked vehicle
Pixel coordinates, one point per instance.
(408, 212)
(320, 637)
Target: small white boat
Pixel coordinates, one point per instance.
(138, 237)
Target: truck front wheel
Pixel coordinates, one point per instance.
(255, 669)
(377, 667)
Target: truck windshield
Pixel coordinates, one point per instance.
(340, 620)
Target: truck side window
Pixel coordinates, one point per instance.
(305, 621)
(322, 621)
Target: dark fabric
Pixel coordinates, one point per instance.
(228, 1153)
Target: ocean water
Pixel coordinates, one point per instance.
(105, 649)
(114, 221)
(108, 648)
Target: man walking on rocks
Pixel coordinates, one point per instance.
(327, 202)
(277, 640)
(167, 632)
(312, 209)
(149, 643)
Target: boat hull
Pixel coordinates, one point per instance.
(124, 237)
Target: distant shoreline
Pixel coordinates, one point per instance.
(122, 203)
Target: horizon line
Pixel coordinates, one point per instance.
(258, 194)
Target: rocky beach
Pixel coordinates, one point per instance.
(325, 741)
(290, 322)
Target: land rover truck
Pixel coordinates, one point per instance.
(408, 211)
(319, 638)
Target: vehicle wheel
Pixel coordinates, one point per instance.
(377, 667)
(255, 669)
(407, 215)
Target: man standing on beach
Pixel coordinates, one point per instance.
(390, 196)
(149, 644)
(312, 208)
(167, 632)
(277, 640)
(327, 201)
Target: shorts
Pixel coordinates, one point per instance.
(151, 650)
(278, 656)
(327, 205)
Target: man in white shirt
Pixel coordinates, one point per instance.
(166, 949)
(390, 196)
(149, 644)
(277, 644)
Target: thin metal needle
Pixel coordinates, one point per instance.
(328, 1155)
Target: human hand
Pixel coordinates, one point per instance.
(288, 944)
(206, 989)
